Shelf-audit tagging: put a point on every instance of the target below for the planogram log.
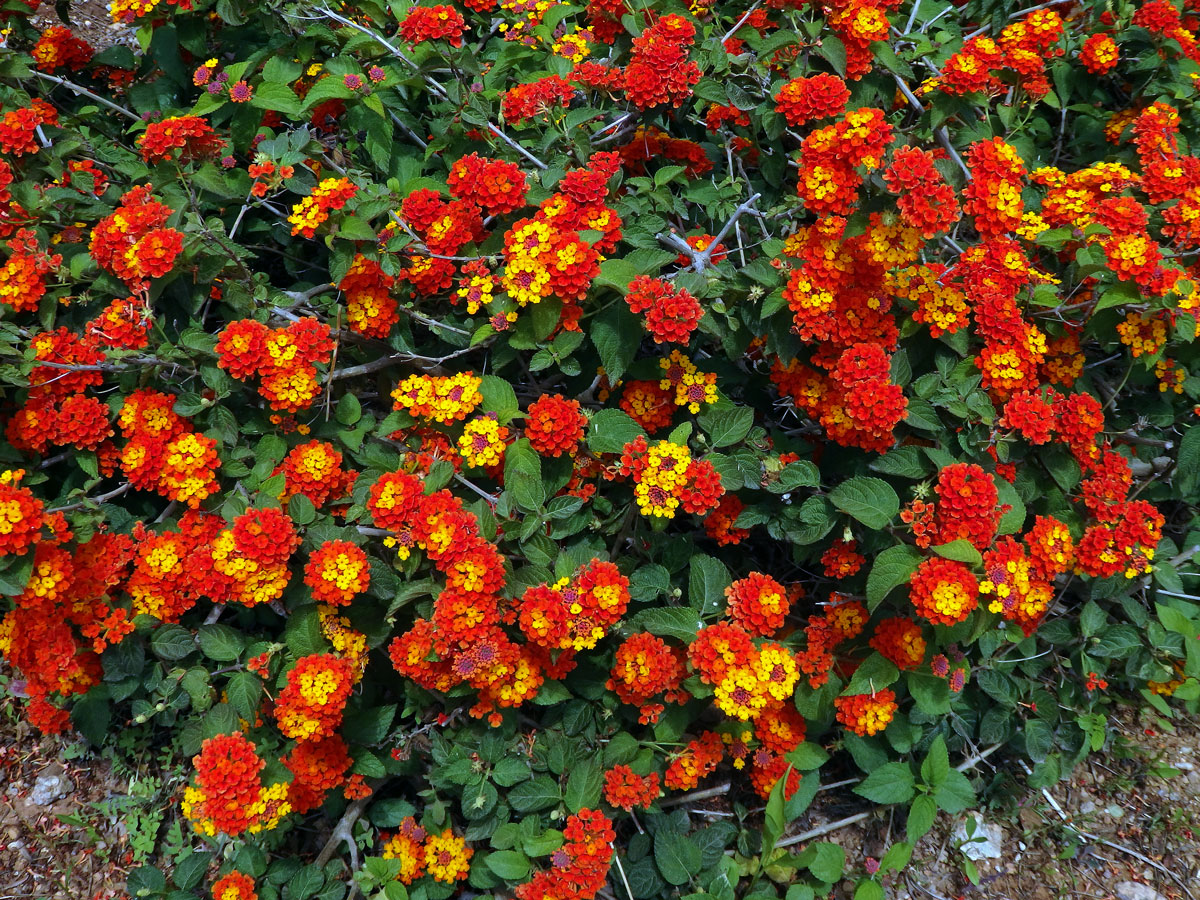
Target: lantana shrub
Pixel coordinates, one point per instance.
(463, 430)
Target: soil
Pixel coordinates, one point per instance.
(90, 20)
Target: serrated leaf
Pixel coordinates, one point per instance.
(727, 426)
(892, 568)
(871, 501)
(668, 621)
(610, 430)
(890, 783)
(677, 857)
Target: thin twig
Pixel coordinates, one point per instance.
(740, 22)
(84, 92)
(99, 498)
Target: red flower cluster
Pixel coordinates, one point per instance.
(23, 275)
(18, 127)
(370, 308)
(926, 202)
(123, 325)
(804, 100)
(900, 641)
(318, 767)
(672, 314)
(645, 668)
(554, 425)
(163, 453)
(626, 790)
(234, 886)
(496, 186)
(659, 71)
(433, 23)
(696, 761)
(315, 470)
(311, 705)
(337, 572)
(284, 359)
(191, 135)
(943, 591)
(866, 714)
(968, 506)
(58, 47)
(580, 867)
(133, 243)
(538, 98)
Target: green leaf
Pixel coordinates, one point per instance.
(616, 334)
(956, 794)
(677, 858)
(244, 691)
(349, 410)
(305, 883)
(511, 865)
(190, 869)
(707, 580)
(530, 796)
(871, 501)
(892, 568)
(1187, 464)
(220, 642)
(584, 784)
(667, 621)
(868, 889)
(808, 756)
(920, 817)
(1039, 739)
(935, 768)
(961, 550)
(727, 426)
(890, 783)
(498, 397)
(610, 430)
(172, 642)
(523, 476)
(830, 861)
(874, 673)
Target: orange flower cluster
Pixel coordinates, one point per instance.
(696, 761)
(133, 242)
(496, 186)
(76, 420)
(311, 704)
(659, 71)
(1021, 49)
(758, 603)
(943, 591)
(370, 308)
(672, 314)
(247, 563)
(926, 202)
(574, 613)
(580, 867)
(234, 886)
(554, 425)
(830, 157)
(163, 454)
(1013, 585)
(462, 641)
(408, 846)
(192, 136)
(721, 523)
(58, 47)
(20, 515)
(900, 641)
(842, 559)
(666, 478)
(228, 796)
(649, 404)
(645, 668)
(626, 790)
(318, 767)
(315, 470)
(122, 325)
(866, 714)
(652, 143)
(433, 23)
(285, 359)
(23, 275)
(993, 196)
(337, 571)
(440, 398)
(537, 98)
(1099, 54)
(804, 100)
(18, 127)
(313, 211)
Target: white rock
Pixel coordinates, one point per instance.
(1131, 890)
(49, 788)
(985, 842)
